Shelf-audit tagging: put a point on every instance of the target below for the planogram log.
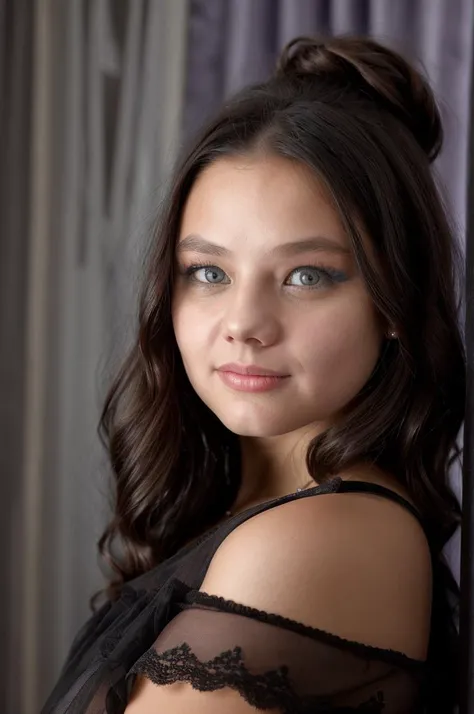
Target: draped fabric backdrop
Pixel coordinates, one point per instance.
(102, 81)
(16, 32)
(96, 97)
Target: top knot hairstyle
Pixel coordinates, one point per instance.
(366, 124)
(383, 75)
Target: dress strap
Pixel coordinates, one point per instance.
(212, 539)
(222, 530)
(333, 485)
(375, 488)
(339, 485)
(384, 492)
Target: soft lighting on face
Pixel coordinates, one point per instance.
(266, 277)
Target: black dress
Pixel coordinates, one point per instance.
(163, 627)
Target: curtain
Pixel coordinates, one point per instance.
(235, 42)
(93, 95)
(16, 33)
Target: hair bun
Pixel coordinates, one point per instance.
(380, 71)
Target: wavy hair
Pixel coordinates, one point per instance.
(366, 123)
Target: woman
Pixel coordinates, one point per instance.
(282, 431)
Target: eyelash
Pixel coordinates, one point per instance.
(330, 274)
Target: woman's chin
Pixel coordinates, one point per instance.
(260, 425)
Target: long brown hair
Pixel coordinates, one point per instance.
(366, 122)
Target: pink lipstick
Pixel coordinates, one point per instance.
(250, 378)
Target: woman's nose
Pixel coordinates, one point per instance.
(251, 316)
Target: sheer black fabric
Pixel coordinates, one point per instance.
(279, 664)
(163, 627)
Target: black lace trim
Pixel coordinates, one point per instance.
(197, 597)
(272, 690)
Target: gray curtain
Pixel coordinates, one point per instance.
(91, 97)
(16, 33)
(235, 42)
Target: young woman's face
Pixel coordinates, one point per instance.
(265, 277)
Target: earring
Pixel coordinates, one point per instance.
(393, 334)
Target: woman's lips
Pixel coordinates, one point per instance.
(251, 382)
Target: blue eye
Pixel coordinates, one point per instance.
(313, 276)
(212, 274)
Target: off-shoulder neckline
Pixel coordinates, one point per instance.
(190, 596)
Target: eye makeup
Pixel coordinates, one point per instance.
(326, 275)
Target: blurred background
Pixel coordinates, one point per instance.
(96, 99)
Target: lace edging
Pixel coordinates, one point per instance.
(272, 690)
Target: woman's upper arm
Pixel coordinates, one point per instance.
(352, 564)
(358, 568)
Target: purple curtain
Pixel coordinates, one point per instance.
(235, 42)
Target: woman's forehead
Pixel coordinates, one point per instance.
(266, 197)
(265, 200)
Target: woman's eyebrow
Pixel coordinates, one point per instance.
(198, 244)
